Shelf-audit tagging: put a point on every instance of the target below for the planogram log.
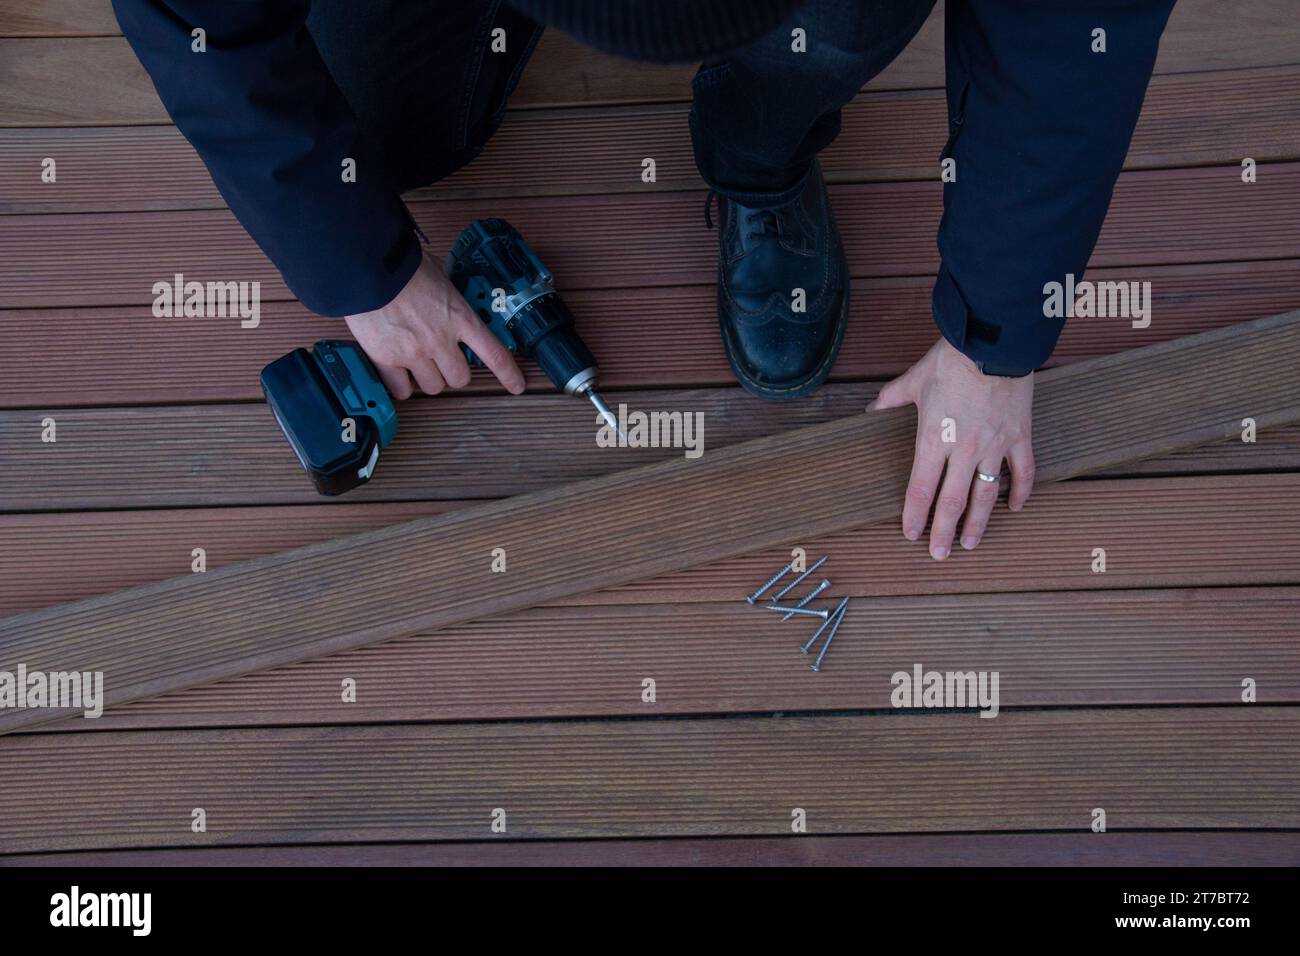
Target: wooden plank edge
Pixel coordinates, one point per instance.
(1271, 848)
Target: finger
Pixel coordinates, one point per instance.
(494, 355)
(894, 394)
(927, 467)
(950, 504)
(451, 363)
(427, 376)
(397, 381)
(983, 495)
(1021, 460)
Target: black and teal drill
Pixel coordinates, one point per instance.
(332, 405)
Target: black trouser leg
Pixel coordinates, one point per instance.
(763, 114)
(427, 87)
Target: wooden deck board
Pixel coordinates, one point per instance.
(424, 575)
(1124, 848)
(450, 448)
(1187, 120)
(1050, 649)
(1149, 768)
(667, 338)
(1198, 38)
(1157, 217)
(1211, 531)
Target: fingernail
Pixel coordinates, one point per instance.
(911, 534)
(969, 542)
(939, 553)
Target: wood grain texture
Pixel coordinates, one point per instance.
(1156, 217)
(1210, 768)
(1259, 33)
(1210, 531)
(116, 356)
(434, 572)
(97, 81)
(53, 18)
(1187, 120)
(1050, 648)
(448, 449)
(1131, 848)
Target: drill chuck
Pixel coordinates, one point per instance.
(545, 330)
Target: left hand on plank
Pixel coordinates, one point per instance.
(990, 421)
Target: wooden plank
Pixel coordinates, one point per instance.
(1187, 119)
(1159, 533)
(1136, 848)
(115, 355)
(435, 572)
(449, 448)
(1198, 38)
(1277, 451)
(61, 81)
(1049, 648)
(1157, 217)
(54, 18)
(47, 558)
(1217, 768)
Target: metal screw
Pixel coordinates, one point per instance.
(816, 591)
(776, 598)
(763, 590)
(798, 610)
(813, 640)
(817, 665)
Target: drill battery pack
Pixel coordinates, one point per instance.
(334, 410)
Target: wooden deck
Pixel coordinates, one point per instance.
(1121, 690)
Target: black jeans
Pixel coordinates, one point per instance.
(421, 76)
(428, 92)
(762, 114)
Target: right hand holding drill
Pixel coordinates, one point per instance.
(418, 335)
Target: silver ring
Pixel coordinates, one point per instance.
(983, 477)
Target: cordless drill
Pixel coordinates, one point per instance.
(332, 405)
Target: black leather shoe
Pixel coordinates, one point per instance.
(764, 256)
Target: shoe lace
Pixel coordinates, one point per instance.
(767, 220)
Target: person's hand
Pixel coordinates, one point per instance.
(418, 335)
(985, 419)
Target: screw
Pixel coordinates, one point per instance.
(816, 591)
(839, 619)
(798, 610)
(776, 598)
(763, 590)
(813, 640)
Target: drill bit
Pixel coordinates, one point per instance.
(605, 413)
